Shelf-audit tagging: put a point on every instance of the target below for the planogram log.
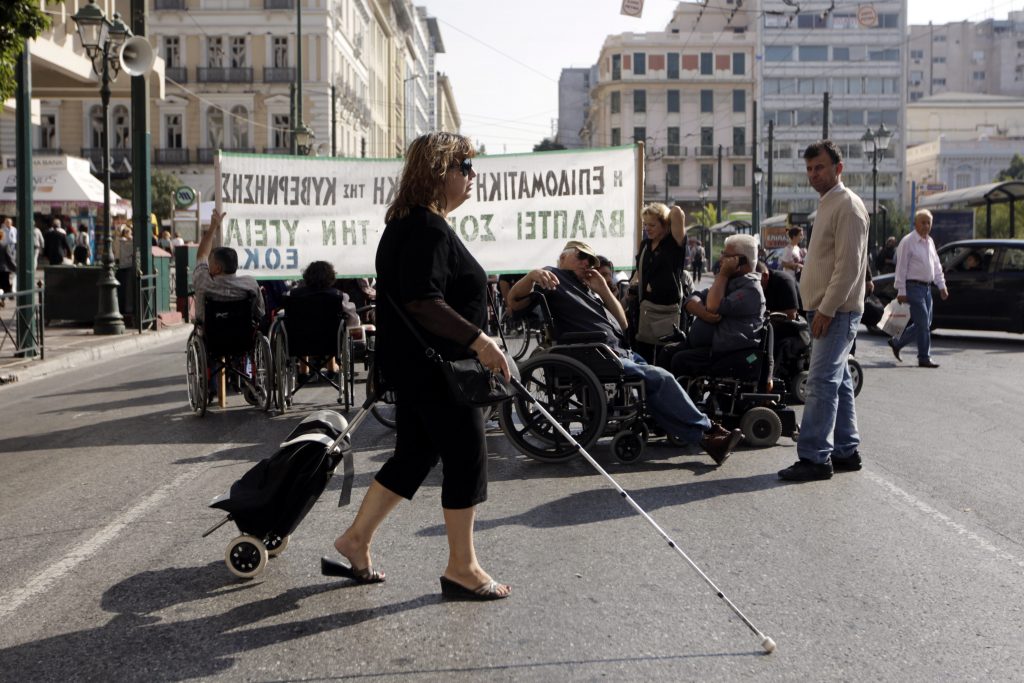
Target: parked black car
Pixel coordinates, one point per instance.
(985, 279)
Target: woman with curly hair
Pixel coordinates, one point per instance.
(424, 268)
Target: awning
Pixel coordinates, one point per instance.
(731, 226)
(978, 195)
(62, 181)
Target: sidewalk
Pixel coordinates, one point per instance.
(70, 346)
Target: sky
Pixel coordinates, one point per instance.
(504, 57)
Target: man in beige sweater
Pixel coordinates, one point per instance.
(832, 288)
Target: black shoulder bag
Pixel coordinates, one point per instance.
(468, 380)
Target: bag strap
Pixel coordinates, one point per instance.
(429, 351)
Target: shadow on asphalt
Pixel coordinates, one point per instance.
(137, 644)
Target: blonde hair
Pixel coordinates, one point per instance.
(657, 210)
(428, 161)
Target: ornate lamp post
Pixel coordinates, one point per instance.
(304, 139)
(875, 143)
(102, 40)
(705, 229)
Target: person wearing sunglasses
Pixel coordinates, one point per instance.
(580, 300)
(426, 270)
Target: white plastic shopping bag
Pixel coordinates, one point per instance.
(895, 318)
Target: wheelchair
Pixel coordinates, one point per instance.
(310, 328)
(737, 389)
(793, 358)
(229, 341)
(581, 381)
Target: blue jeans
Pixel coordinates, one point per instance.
(669, 405)
(829, 423)
(920, 299)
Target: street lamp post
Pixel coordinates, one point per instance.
(755, 214)
(875, 142)
(706, 229)
(102, 40)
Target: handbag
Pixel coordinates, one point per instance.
(895, 318)
(469, 382)
(655, 320)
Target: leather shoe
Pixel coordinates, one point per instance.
(927, 364)
(850, 463)
(895, 351)
(718, 442)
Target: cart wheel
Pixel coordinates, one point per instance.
(856, 373)
(800, 387)
(246, 557)
(275, 543)
(627, 447)
(761, 427)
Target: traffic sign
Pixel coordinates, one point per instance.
(184, 197)
(867, 16)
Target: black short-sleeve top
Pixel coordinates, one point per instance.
(662, 270)
(421, 257)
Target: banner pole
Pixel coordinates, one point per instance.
(640, 182)
(218, 200)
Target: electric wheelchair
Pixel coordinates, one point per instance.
(737, 390)
(228, 340)
(793, 358)
(311, 328)
(581, 382)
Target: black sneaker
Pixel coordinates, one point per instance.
(850, 463)
(805, 470)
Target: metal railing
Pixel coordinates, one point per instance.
(224, 74)
(178, 74)
(24, 301)
(278, 74)
(170, 4)
(278, 4)
(146, 316)
(171, 155)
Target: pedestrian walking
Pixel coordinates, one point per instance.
(425, 269)
(697, 257)
(832, 288)
(917, 268)
(55, 243)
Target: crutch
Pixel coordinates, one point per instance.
(767, 643)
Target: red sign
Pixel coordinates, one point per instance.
(867, 16)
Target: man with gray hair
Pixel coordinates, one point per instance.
(729, 315)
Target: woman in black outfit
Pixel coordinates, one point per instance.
(661, 264)
(424, 267)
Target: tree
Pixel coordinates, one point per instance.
(162, 186)
(1014, 172)
(547, 145)
(707, 216)
(19, 21)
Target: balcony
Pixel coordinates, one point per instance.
(279, 74)
(224, 74)
(171, 156)
(205, 155)
(178, 74)
(278, 4)
(47, 151)
(170, 4)
(675, 150)
(704, 150)
(738, 151)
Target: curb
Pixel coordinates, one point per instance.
(101, 351)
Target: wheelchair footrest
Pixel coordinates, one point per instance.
(761, 397)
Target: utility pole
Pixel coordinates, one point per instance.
(26, 245)
(824, 116)
(771, 154)
(718, 188)
(754, 218)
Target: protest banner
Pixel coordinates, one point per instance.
(284, 212)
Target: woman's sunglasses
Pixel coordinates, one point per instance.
(465, 166)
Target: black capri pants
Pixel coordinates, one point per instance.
(432, 431)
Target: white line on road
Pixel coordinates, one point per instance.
(955, 527)
(11, 601)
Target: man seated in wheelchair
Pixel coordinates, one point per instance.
(728, 317)
(580, 300)
(215, 275)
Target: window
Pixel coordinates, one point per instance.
(616, 67)
(939, 81)
(96, 126)
(639, 63)
(639, 134)
(739, 140)
(616, 102)
(282, 125)
(938, 60)
(979, 75)
(673, 101)
(855, 86)
(280, 47)
(673, 65)
(739, 101)
(214, 128)
(707, 140)
(963, 180)
(706, 66)
(707, 175)
(978, 56)
(616, 137)
(940, 38)
(808, 117)
(916, 77)
(739, 63)
(888, 20)
(672, 175)
(639, 101)
(843, 21)
(239, 127)
(888, 55)
(174, 136)
(840, 54)
(778, 53)
(783, 117)
(121, 127)
(1012, 261)
(917, 54)
(739, 175)
(810, 21)
(673, 141)
(915, 96)
(172, 51)
(848, 117)
(238, 60)
(813, 53)
(48, 131)
(215, 52)
(707, 101)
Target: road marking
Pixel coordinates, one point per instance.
(11, 601)
(944, 519)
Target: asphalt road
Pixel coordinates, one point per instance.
(908, 570)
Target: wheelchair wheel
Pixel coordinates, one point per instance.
(799, 390)
(517, 335)
(856, 373)
(262, 373)
(627, 446)
(282, 386)
(384, 412)
(346, 370)
(195, 375)
(761, 427)
(570, 392)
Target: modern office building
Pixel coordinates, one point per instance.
(573, 103)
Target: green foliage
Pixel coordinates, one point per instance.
(897, 223)
(162, 186)
(19, 21)
(707, 216)
(546, 145)
(1015, 170)
(1000, 222)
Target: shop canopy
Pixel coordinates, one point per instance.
(63, 182)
